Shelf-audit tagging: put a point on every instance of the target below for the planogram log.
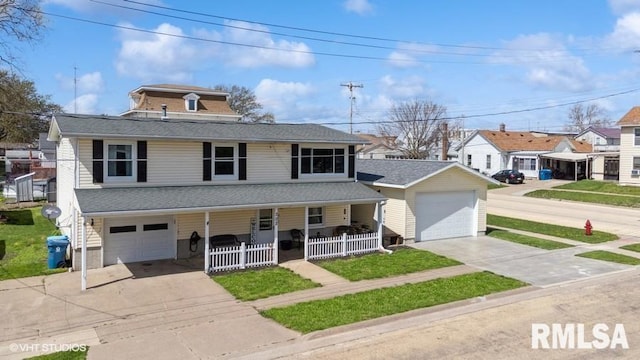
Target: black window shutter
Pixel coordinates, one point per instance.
(142, 161)
(242, 165)
(294, 161)
(98, 161)
(206, 161)
(352, 161)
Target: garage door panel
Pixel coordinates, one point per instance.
(139, 239)
(445, 215)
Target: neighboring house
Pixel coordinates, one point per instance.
(427, 200)
(133, 189)
(379, 147)
(630, 147)
(489, 151)
(605, 155)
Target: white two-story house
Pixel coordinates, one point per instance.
(630, 147)
(136, 187)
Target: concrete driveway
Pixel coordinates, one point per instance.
(159, 310)
(535, 266)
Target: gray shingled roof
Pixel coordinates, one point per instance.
(148, 200)
(74, 125)
(398, 172)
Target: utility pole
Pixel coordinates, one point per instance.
(75, 90)
(352, 98)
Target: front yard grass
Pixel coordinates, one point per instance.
(528, 240)
(600, 186)
(610, 256)
(606, 199)
(63, 355)
(323, 314)
(377, 265)
(262, 283)
(564, 232)
(23, 245)
(632, 247)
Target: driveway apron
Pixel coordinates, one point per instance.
(535, 266)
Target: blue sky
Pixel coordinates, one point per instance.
(512, 62)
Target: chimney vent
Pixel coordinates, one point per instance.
(502, 127)
(164, 111)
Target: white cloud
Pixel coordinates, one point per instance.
(360, 7)
(157, 57)
(279, 97)
(403, 89)
(547, 63)
(83, 104)
(626, 34)
(261, 49)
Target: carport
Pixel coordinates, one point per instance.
(574, 166)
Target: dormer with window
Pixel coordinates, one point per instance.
(191, 102)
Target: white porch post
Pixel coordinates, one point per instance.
(83, 256)
(306, 233)
(575, 171)
(276, 243)
(207, 251)
(380, 220)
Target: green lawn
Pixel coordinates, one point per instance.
(601, 186)
(632, 247)
(377, 265)
(323, 314)
(528, 240)
(610, 256)
(23, 247)
(262, 283)
(63, 355)
(607, 199)
(550, 229)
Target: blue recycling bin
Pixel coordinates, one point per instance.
(57, 251)
(545, 174)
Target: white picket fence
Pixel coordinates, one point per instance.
(344, 245)
(241, 257)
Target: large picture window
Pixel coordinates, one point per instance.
(322, 161)
(120, 160)
(527, 164)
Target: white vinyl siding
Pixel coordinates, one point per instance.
(65, 178)
(395, 210)
(94, 233)
(231, 222)
(627, 152)
(270, 163)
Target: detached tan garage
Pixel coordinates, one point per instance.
(428, 200)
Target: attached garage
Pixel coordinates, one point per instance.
(139, 239)
(445, 215)
(427, 200)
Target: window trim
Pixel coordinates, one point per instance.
(236, 161)
(191, 97)
(345, 161)
(321, 215)
(133, 160)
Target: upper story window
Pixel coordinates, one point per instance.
(191, 102)
(468, 159)
(224, 160)
(322, 161)
(636, 136)
(120, 161)
(488, 161)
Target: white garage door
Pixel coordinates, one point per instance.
(445, 215)
(139, 239)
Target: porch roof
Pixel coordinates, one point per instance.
(181, 199)
(566, 156)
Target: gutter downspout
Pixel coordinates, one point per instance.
(207, 251)
(84, 254)
(380, 220)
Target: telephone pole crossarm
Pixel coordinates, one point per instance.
(352, 98)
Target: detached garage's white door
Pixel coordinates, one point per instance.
(139, 239)
(445, 215)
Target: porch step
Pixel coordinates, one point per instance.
(313, 272)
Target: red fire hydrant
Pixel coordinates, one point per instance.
(587, 227)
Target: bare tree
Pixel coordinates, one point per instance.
(581, 117)
(23, 112)
(20, 20)
(243, 101)
(417, 124)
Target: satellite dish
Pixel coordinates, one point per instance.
(50, 211)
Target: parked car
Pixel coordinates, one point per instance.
(509, 176)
